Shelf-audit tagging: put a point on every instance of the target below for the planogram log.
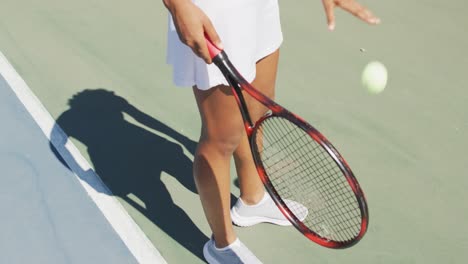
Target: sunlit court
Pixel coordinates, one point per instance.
(99, 145)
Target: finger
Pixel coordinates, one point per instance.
(329, 12)
(210, 31)
(212, 34)
(201, 50)
(359, 11)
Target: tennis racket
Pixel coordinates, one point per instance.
(304, 174)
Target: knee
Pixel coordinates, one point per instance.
(223, 138)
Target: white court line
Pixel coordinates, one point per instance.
(133, 237)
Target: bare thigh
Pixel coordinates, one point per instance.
(218, 108)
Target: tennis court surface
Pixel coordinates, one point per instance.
(98, 70)
(47, 216)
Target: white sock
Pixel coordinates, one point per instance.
(262, 201)
(230, 246)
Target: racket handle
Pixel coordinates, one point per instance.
(213, 50)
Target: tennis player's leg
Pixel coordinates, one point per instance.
(251, 188)
(221, 135)
(254, 205)
(222, 130)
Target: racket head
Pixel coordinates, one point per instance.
(343, 173)
(337, 209)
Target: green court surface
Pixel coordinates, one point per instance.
(407, 146)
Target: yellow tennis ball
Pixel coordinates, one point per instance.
(374, 77)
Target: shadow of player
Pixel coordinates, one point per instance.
(130, 159)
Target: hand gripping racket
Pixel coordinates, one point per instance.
(304, 174)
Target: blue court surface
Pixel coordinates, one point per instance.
(47, 214)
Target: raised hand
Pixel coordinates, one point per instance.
(350, 6)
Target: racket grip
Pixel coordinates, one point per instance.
(212, 49)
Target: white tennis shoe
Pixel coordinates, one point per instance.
(264, 211)
(235, 253)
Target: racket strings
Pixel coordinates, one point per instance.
(308, 179)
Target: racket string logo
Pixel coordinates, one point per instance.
(324, 232)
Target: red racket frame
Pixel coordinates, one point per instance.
(238, 83)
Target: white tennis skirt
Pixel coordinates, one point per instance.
(249, 30)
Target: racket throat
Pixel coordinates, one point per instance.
(221, 60)
(243, 109)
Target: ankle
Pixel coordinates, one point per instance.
(224, 241)
(253, 199)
